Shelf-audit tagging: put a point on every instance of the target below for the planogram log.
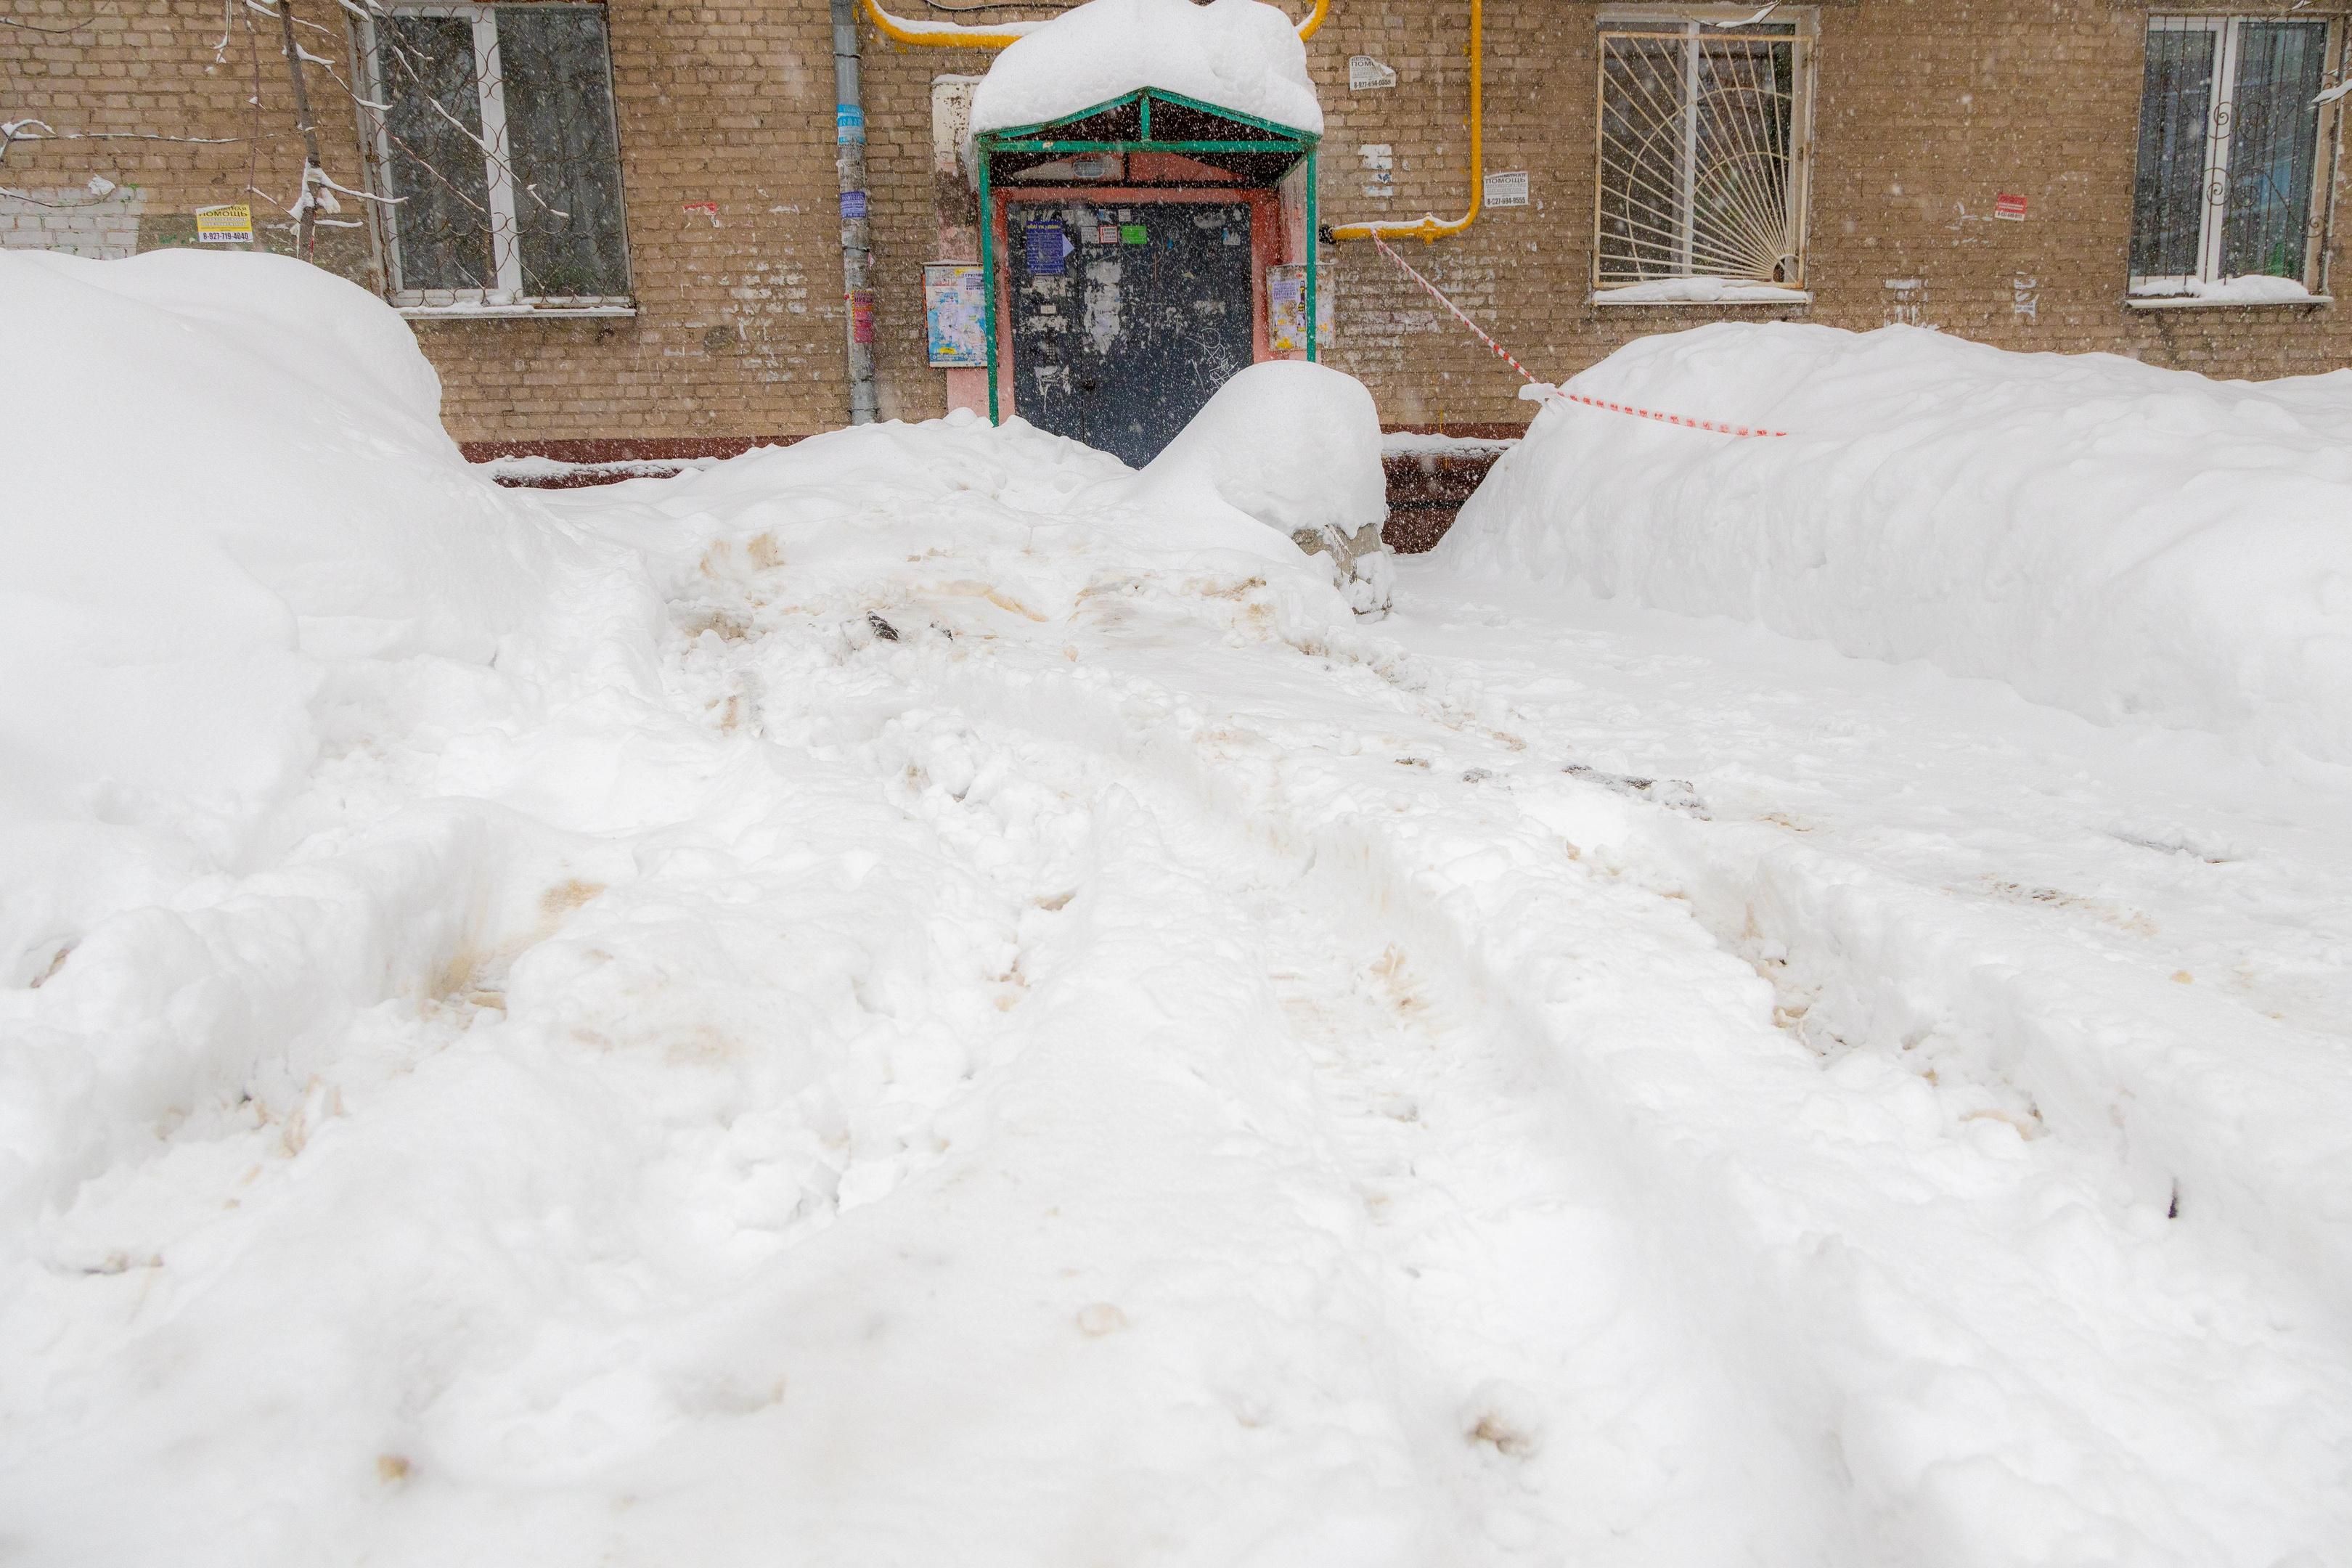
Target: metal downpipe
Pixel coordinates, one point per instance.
(856, 228)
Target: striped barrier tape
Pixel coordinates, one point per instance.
(1684, 420)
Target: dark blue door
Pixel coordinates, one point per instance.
(1126, 315)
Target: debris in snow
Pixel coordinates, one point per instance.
(1240, 54)
(882, 628)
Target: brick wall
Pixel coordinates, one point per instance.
(167, 92)
(1925, 111)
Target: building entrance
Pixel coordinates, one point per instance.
(1127, 314)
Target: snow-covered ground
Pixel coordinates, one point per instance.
(894, 1001)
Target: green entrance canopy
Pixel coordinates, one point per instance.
(1149, 120)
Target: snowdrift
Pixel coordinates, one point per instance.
(229, 472)
(2125, 541)
(233, 534)
(1236, 54)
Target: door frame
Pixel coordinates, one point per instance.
(1268, 237)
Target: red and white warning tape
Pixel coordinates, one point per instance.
(1550, 390)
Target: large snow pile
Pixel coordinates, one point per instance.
(921, 997)
(1236, 54)
(2122, 541)
(230, 507)
(221, 474)
(465, 955)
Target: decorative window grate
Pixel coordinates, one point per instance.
(2232, 137)
(494, 131)
(1705, 121)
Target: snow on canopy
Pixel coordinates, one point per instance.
(1236, 54)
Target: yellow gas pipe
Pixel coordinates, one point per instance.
(1429, 228)
(956, 36)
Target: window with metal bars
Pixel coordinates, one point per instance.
(1705, 122)
(494, 133)
(2234, 139)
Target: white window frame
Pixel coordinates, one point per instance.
(2156, 291)
(1690, 23)
(507, 297)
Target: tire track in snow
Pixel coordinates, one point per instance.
(1916, 1337)
(2094, 1277)
(1552, 1403)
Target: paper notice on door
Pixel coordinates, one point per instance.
(1286, 307)
(1045, 247)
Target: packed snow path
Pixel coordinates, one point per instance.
(962, 1056)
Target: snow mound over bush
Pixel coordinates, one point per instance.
(2125, 541)
(224, 472)
(1285, 456)
(1294, 446)
(1236, 54)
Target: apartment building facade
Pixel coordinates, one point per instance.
(622, 224)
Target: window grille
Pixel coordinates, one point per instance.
(494, 131)
(1704, 119)
(2231, 180)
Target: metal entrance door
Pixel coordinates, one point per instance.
(1126, 315)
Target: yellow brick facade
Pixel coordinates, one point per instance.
(1925, 111)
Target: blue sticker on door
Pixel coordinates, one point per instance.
(1045, 247)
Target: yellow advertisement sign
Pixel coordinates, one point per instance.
(225, 225)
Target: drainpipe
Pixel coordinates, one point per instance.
(856, 231)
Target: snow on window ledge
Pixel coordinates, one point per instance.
(481, 311)
(2247, 288)
(1701, 292)
(2223, 301)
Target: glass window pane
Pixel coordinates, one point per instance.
(1643, 123)
(566, 159)
(2273, 147)
(2168, 199)
(441, 221)
(1740, 218)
